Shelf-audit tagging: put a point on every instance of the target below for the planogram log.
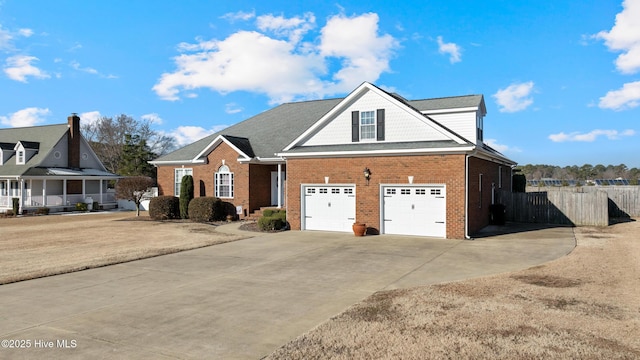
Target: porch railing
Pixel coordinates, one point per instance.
(58, 200)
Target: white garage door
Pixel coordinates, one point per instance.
(415, 210)
(331, 208)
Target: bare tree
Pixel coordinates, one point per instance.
(108, 138)
(133, 188)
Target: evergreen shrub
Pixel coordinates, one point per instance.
(164, 208)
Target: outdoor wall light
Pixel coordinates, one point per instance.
(367, 174)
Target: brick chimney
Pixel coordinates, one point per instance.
(74, 141)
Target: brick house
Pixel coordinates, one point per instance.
(402, 167)
(51, 166)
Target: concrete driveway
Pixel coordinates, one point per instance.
(242, 299)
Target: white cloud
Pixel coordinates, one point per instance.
(453, 50)
(624, 36)
(500, 147)
(76, 65)
(152, 118)
(25, 32)
(293, 28)
(232, 108)
(18, 67)
(185, 135)
(240, 15)
(5, 39)
(90, 117)
(590, 136)
(515, 97)
(627, 97)
(285, 69)
(25, 117)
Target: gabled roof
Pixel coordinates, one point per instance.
(271, 132)
(32, 145)
(46, 136)
(266, 133)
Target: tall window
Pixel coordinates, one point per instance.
(178, 179)
(224, 182)
(367, 125)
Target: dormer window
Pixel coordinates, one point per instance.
(20, 157)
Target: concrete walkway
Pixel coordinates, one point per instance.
(244, 299)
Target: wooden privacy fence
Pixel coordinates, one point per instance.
(556, 207)
(624, 201)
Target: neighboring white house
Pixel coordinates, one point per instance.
(51, 166)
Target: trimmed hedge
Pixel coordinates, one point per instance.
(186, 195)
(164, 208)
(273, 220)
(206, 209)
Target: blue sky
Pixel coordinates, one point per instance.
(560, 78)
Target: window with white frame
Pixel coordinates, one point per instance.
(20, 157)
(180, 173)
(224, 182)
(367, 125)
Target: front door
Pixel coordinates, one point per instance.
(274, 188)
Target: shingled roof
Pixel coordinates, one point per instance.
(46, 137)
(270, 132)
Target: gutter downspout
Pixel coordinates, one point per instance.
(466, 194)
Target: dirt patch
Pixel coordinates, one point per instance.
(40, 246)
(584, 305)
(547, 280)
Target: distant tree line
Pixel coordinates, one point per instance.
(582, 173)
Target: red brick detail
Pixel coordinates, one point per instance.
(431, 169)
(252, 182)
(480, 199)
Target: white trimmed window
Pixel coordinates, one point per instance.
(20, 157)
(180, 173)
(367, 125)
(224, 182)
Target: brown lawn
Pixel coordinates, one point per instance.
(583, 306)
(36, 246)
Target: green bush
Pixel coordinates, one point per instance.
(16, 205)
(206, 209)
(164, 208)
(268, 212)
(186, 195)
(81, 206)
(276, 220)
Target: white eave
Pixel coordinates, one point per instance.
(360, 153)
(213, 144)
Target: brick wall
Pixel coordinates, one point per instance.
(432, 169)
(252, 182)
(480, 199)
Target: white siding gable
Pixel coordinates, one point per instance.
(402, 124)
(462, 123)
(57, 157)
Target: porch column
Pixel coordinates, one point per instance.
(8, 193)
(101, 181)
(64, 192)
(44, 192)
(279, 186)
(21, 196)
(83, 190)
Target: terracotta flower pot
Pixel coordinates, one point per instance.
(359, 229)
